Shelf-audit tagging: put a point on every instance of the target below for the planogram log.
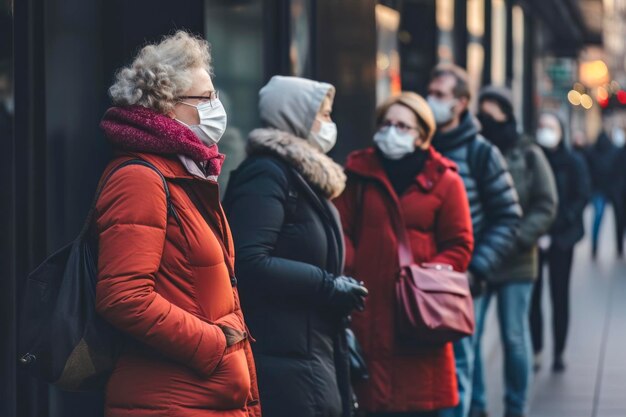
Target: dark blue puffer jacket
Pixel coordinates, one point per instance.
(493, 200)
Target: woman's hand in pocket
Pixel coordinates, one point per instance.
(233, 336)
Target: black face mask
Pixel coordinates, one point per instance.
(502, 134)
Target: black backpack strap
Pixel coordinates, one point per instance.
(171, 211)
(478, 157)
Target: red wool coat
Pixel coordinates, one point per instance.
(437, 217)
(170, 290)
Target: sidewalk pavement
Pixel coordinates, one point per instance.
(594, 384)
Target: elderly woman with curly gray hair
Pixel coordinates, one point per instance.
(165, 257)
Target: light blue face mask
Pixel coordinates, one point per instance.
(442, 110)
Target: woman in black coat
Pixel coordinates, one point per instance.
(557, 248)
(290, 253)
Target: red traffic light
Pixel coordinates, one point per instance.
(603, 102)
(621, 96)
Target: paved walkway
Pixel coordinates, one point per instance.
(594, 384)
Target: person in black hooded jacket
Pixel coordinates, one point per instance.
(290, 253)
(557, 248)
(601, 158)
(513, 283)
(496, 213)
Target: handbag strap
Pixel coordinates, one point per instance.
(358, 221)
(211, 221)
(405, 253)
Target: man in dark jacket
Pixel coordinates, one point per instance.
(601, 158)
(493, 200)
(512, 283)
(557, 248)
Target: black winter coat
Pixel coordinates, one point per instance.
(573, 185)
(601, 159)
(493, 200)
(288, 239)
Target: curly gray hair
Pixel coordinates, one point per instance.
(161, 72)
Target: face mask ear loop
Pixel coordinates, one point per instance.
(187, 104)
(181, 122)
(190, 105)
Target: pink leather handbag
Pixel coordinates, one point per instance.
(433, 302)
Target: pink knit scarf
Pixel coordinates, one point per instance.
(139, 129)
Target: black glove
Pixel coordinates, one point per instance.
(344, 294)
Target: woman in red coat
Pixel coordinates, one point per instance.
(402, 175)
(164, 274)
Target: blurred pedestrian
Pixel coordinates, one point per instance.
(512, 283)
(402, 177)
(290, 252)
(165, 262)
(601, 159)
(492, 198)
(579, 141)
(557, 247)
(618, 189)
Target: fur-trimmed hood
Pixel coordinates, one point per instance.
(317, 168)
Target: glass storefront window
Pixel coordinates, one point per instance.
(300, 57)
(445, 24)
(6, 68)
(475, 49)
(498, 42)
(235, 31)
(388, 58)
(518, 62)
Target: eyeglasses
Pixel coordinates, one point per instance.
(400, 127)
(213, 95)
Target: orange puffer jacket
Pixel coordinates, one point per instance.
(167, 285)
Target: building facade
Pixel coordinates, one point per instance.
(61, 57)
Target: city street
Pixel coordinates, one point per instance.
(594, 384)
(279, 162)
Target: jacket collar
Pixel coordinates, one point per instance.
(459, 136)
(366, 163)
(317, 168)
(169, 165)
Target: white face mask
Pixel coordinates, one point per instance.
(442, 110)
(619, 138)
(326, 138)
(547, 138)
(212, 121)
(393, 144)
